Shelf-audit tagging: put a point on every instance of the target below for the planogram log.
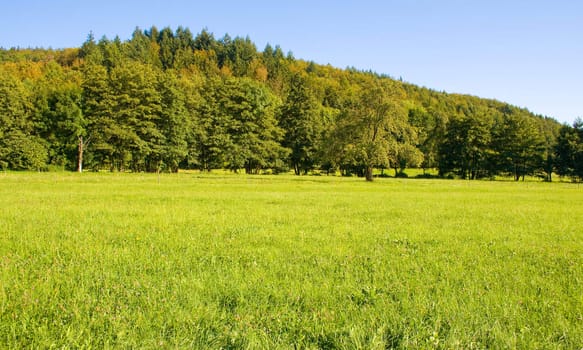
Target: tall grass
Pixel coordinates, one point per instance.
(225, 261)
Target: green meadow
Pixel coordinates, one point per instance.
(226, 261)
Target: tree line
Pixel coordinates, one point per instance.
(166, 100)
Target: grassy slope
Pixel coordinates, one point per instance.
(110, 260)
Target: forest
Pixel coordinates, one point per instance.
(167, 99)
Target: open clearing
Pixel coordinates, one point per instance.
(232, 261)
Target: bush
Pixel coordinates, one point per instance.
(19, 152)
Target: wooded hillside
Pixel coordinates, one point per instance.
(165, 100)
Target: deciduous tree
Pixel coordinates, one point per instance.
(300, 119)
(372, 120)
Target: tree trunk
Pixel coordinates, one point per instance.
(368, 173)
(80, 155)
(296, 169)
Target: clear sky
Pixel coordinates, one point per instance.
(525, 52)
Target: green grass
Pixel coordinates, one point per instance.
(226, 261)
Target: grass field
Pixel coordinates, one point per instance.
(227, 261)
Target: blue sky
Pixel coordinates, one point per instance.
(527, 53)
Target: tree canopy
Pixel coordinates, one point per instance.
(168, 99)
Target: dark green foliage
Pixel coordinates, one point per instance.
(174, 124)
(143, 47)
(569, 151)
(19, 151)
(465, 148)
(20, 146)
(167, 99)
(518, 146)
(239, 127)
(96, 108)
(302, 124)
(58, 105)
(429, 127)
(136, 112)
(237, 54)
